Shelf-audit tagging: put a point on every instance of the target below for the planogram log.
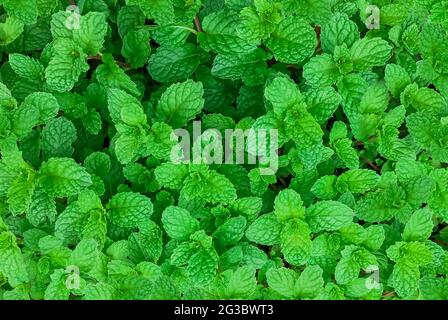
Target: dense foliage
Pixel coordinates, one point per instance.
(92, 207)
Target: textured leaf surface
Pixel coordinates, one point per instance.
(128, 209)
(328, 215)
(180, 103)
(61, 177)
(293, 41)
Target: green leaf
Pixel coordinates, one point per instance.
(296, 242)
(178, 223)
(337, 31)
(433, 288)
(67, 63)
(10, 30)
(57, 288)
(12, 264)
(322, 103)
(393, 14)
(265, 230)
(62, 177)
(239, 283)
(375, 237)
(20, 193)
(397, 79)
(99, 291)
(419, 227)
(357, 181)
(404, 278)
(171, 175)
(95, 227)
(416, 252)
(57, 138)
(36, 109)
(24, 10)
(46, 7)
(293, 41)
(256, 25)
(202, 267)
(328, 215)
(283, 94)
(231, 231)
(161, 11)
(310, 282)
(110, 75)
(180, 103)
(42, 209)
(85, 255)
(91, 32)
(58, 25)
(338, 132)
(318, 11)
(146, 245)
(173, 63)
(424, 100)
(353, 233)
(303, 129)
(221, 34)
(321, 71)
(129, 209)
(26, 67)
(325, 188)
(249, 67)
(350, 264)
(283, 281)
(289, 205)
(92, 122)
(419, 190)
(374, 100)
(210, 186)
(129, 17)
(124, 108)
(248, 207)
(367, 53)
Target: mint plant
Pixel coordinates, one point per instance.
(336, 111)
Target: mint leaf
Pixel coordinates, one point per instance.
(293, 41)
(265, 230)
(328, 215)
(178, 223)
(128, 209)
(171, 64)
(419, 226)
(368, 53)
(180, 103)
(337, 31)
(62, 177)
(223, 149)
(221, 34)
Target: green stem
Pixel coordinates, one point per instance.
(155, 27)
(187, 28)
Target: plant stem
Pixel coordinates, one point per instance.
(98, 57)
(197, 23)
(371, 164)
(186, 28)
(389, 294)
(282, 181)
